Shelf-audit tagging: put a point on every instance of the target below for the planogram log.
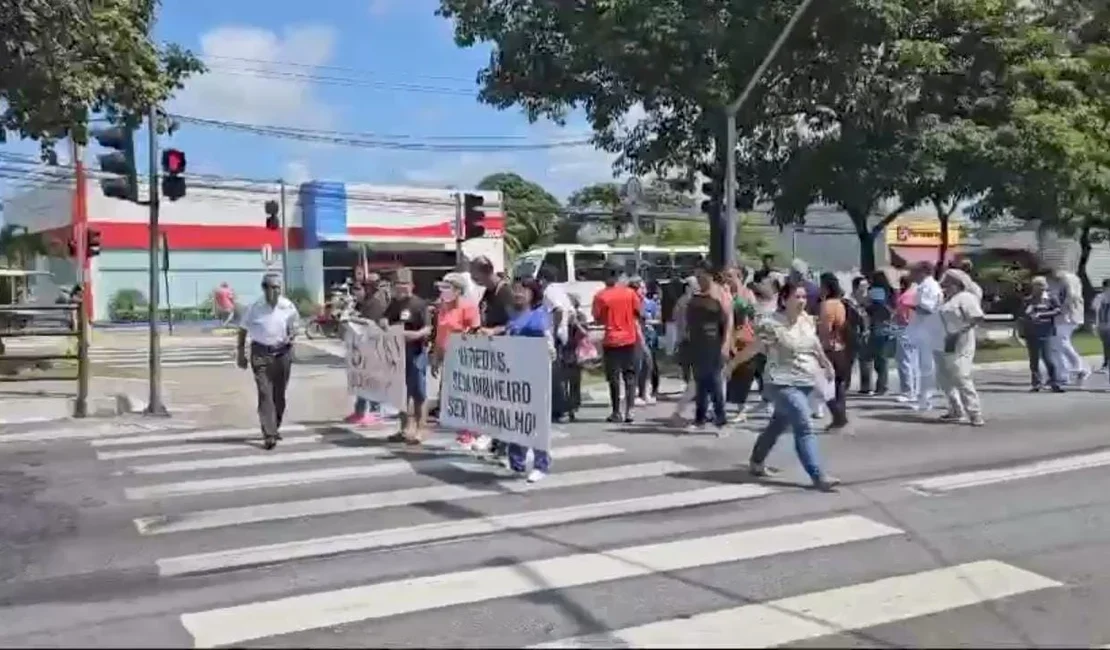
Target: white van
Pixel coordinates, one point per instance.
(581, 268)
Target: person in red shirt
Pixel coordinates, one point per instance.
(617, 308)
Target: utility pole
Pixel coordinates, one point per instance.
(284, 240)
(460, 235)
(731, 110)
(154, 405)
(633, 197)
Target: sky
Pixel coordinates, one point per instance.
(364, 66)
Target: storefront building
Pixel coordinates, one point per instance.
(218, 234)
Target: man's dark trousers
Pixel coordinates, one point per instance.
(271, 366)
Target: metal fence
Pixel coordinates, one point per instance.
(48, 321)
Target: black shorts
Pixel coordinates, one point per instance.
(620, 360)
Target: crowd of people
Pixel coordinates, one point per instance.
(798, 340)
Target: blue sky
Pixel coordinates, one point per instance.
(391, 68)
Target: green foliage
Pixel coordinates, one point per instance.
(300, 297)
(531, 211)
(63, 60)
(19, 247)
(126, 302)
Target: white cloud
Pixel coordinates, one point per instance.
(249, 79)
(462, 170)
(297, 172)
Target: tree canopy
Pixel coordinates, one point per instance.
(530, 210)
(62, 61)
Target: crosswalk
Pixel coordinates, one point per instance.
(214, 353)
(209, 503)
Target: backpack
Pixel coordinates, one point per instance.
(858, 326)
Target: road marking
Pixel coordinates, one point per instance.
(208, 519)
(308, 477)
(324, 546)
(962, 480)
(203, 434)
(835, 611)
(231, 625)
(168, 363)
(32, 420)
(175, 450)
(271, 458)
(108, 431)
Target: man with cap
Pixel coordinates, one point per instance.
(270, 324)
(411, 312)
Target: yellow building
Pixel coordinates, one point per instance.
(915, 239)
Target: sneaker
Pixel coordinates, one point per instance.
(368, 420)
(1058, 389)
(465, 438)
(640, 401)
(1035, 389)
(651, 399)
(534, 476)
(695, 427)
(397, 437)
(826, 483)
(1082, 376)
(628, 419)
(904, 399)
(978, 421)
(614, 418)
(482, 443)
(952, 416)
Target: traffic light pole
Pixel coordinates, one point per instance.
(730, 222)
(460, 262)
(154, 406)
(284, 241)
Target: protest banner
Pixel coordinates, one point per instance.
(376, 363)
(498, 386)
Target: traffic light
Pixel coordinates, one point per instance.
(272, 222)
(121, 162)
(474, 217)
(173, 166)
(92, 243)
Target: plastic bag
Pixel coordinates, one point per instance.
(826, 388)
(586, 351)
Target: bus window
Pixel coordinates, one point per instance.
(526, 267)
(558, 262)
(589, 266)
(626, 260)
(656, 266)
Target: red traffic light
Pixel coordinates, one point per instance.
(173, 161)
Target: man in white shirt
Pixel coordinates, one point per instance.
(270, 323)
(558, 304)
(926, 330)
(1068, 290)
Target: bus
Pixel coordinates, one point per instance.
(581, 268)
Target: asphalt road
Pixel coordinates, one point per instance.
(158, 534)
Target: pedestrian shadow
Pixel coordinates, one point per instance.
(738, 476)
(908, 418)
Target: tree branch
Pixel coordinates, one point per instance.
(888, 218)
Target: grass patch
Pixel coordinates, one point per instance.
(992, 351)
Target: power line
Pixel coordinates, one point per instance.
(374, 141)
(337, 68)
(343, 82)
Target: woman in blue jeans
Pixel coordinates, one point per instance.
(530, 319)
(794, 359)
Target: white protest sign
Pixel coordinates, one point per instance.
(498, 386)
(376, 363)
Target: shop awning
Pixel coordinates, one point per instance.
(910, 255)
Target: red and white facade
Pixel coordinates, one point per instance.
(218, 234)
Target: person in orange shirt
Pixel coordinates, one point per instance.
(617, 308)
(832, 331)
(455, 314)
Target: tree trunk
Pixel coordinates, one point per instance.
(866, 238)
(1084, 279)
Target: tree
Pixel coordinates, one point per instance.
(680, 62)
(1051, 158)
(911, 123)
(530, 210)
(62, 61)
(751, 244)
(19, 247)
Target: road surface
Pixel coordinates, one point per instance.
(184, 533)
